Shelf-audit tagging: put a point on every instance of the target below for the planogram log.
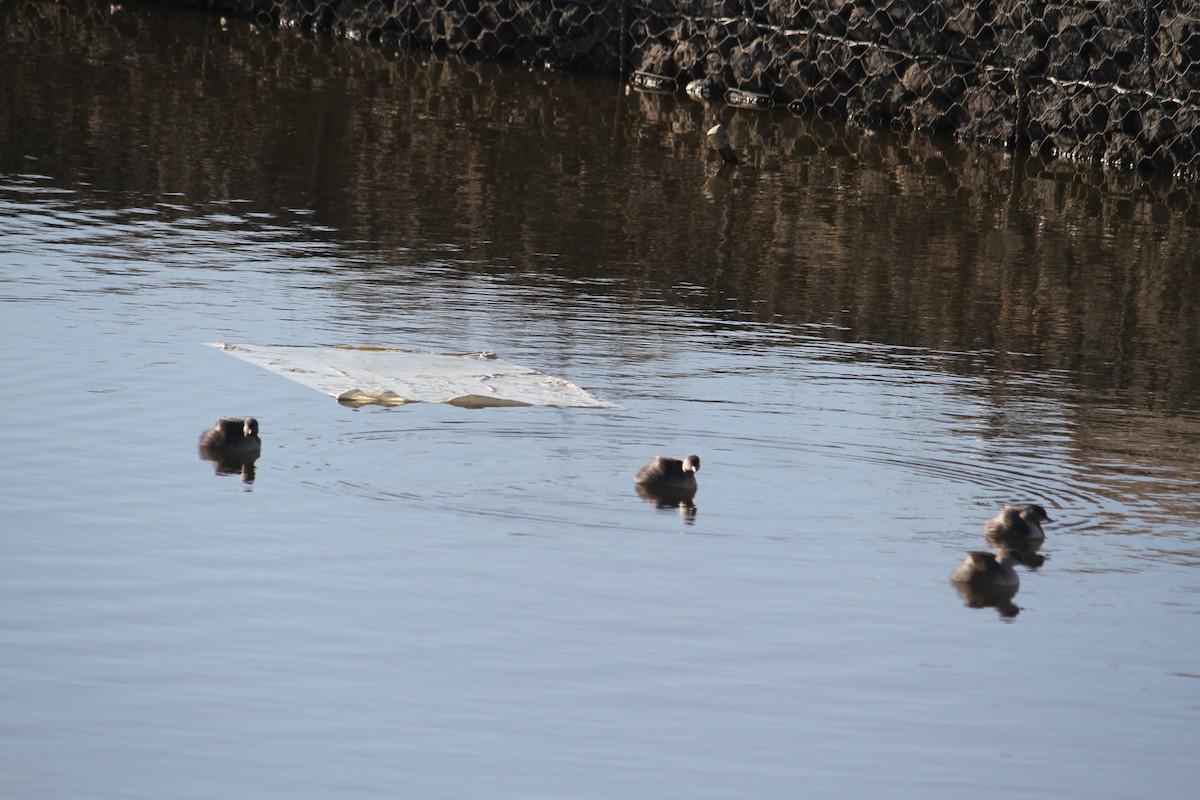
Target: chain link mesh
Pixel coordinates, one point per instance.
(1105, 81)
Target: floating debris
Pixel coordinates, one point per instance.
(719, 139)
(649, 82)
(703, 89)
(390, 376)
(718, 185)
(743, 99)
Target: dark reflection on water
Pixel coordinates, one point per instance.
(1012, 264)
(997, 597)
(670, 499)
(225, 463)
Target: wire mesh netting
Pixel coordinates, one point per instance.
(1104, 81)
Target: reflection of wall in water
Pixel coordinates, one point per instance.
(1091, 81)
(886, 238)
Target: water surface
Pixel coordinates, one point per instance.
(872, 341)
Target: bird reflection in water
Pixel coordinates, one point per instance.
(986, 580)
(232, 444)
(718, 184)
(670, 498)
(997, 597)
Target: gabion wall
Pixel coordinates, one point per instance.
(1107, 81)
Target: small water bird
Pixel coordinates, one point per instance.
(987, 570)
(232, 436)
(1017, 524)
(670, 473)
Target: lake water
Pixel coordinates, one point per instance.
(873, 341)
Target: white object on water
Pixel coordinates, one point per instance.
(719, 139)
(391, 376)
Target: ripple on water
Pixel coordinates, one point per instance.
(456, 468)
(741, 416)
(751, 393)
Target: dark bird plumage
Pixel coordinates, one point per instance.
(1018, 524)
(232, 435)
(670, 473)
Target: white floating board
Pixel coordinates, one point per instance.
(391, 376)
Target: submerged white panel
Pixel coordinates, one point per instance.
(390, 376)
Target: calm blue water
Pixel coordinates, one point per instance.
(437, 602)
